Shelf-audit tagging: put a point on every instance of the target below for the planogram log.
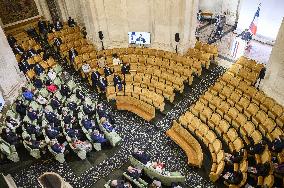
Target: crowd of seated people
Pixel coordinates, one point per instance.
(54, 113)
(136, 177)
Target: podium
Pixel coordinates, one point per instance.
(238, 48)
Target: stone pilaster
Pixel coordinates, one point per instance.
(273, 83)
(43, 9)
(11, 79)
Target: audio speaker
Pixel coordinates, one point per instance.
(177, 37)
(101, 35)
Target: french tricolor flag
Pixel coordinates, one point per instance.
(253, 24)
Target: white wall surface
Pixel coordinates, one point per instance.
(115, 18)
(214, 6)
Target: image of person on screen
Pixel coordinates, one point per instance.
(132, 37)
(140, 40)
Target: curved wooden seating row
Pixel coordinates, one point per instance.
(139, 93)
(166, 178)
(136, 106)
(209, 138)
(188, 143)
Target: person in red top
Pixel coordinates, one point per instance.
(51, 87)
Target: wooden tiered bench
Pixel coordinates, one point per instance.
(140, 108)
(188, 143)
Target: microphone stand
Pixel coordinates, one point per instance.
(102, 45)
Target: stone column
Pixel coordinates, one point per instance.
(273, 83)
(43, 9)
(190, 24)
(11, 79)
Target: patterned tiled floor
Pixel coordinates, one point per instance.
(136, 133)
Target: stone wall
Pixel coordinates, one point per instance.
(230, 7)
(273, 84)
(115, 18)
(11, 79)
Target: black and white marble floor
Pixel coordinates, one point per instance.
(135, 133)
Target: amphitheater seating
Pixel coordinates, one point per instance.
(188, 143)
(209, 138)
(166, 179)
(136, 106)
(235, 110)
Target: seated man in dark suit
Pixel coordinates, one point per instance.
(57, 42)
(33, 144)
(42, 26)
(107, 125)
(10, 137)
(88, 110)
(55, 104)
(56, 147)
(87, 123)
(47, 54)
(65, 91)
(120, 184)
(11, 40)
(80, 94)
(95, 77)
(257, 148)
(17, 49)
(21, 109)
(50, 27)
(32, 114)
(235, 157)
(71, 22)
(33, 129)
(107, 71)
(52, 118)
(32, 33)
(38, 69)
(141, 156)
(72, 54)
(260, 169)
(278, 144)
(31, 52)
(24, 66)
(117, 82)
(58, 25)
(52, 132)
(11, 122)
(38, 83)
(233, 178)
(102, 84)
(98, 138)
(67, 118)
(125, 68)
(133, 172)
(101, 111)
(73, 107)
(73, 133)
